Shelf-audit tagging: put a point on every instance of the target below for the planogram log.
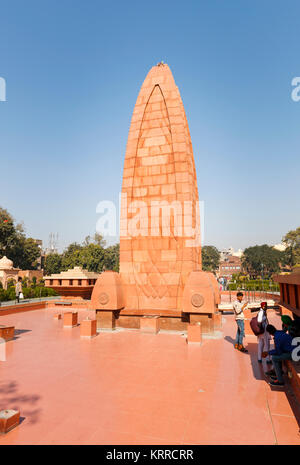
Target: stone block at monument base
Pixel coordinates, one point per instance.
(9, 419)
(107, 299)
(7, 332)
(149, 324)
(70, 319)
(194, 333)
(88, 328)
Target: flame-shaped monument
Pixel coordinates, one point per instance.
(160, 252)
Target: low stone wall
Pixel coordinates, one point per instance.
(19, 308)
(26, 307)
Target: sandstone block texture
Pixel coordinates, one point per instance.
(159, 219)
(159, 167)
(70, 319)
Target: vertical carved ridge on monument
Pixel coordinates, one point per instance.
(154, 134)
(136, 275)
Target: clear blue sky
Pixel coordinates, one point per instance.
(73, 70)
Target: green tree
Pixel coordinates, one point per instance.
(86, 241)
(91, 257)
(262, 260)
(30, 254)
(53, 263)
(14, 244)
(292, 252)
(7, 232)
(71, 256)
(112, 257)
(98, 239)
(210, 258)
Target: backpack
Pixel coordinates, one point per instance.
(256, 327)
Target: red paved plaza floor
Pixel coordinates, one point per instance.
(126, 387)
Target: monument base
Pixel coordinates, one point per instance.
(200, 299)
(149, 324)
(194, 334)
(109, 320)
(105, 319)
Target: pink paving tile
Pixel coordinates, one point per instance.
(279, 403)
(286, 430)
(125, 387)
(105, 436)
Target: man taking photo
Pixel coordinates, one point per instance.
(238, 308)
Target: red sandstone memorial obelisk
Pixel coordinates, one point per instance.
(160, 252)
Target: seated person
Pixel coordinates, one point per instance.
(291, 326)
(282, 351)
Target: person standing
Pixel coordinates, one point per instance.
(263, 339)
(238, 308)
(18, 288)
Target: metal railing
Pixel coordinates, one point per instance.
(252, 295)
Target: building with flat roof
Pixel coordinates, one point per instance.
(76, 282)
(231, 265)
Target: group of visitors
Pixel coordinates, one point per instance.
(283, 338)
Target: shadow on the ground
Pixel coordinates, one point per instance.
(22, 331)
(257, 368)
(19, 332)
(259, 373)
(229, 339)
(11, 398)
